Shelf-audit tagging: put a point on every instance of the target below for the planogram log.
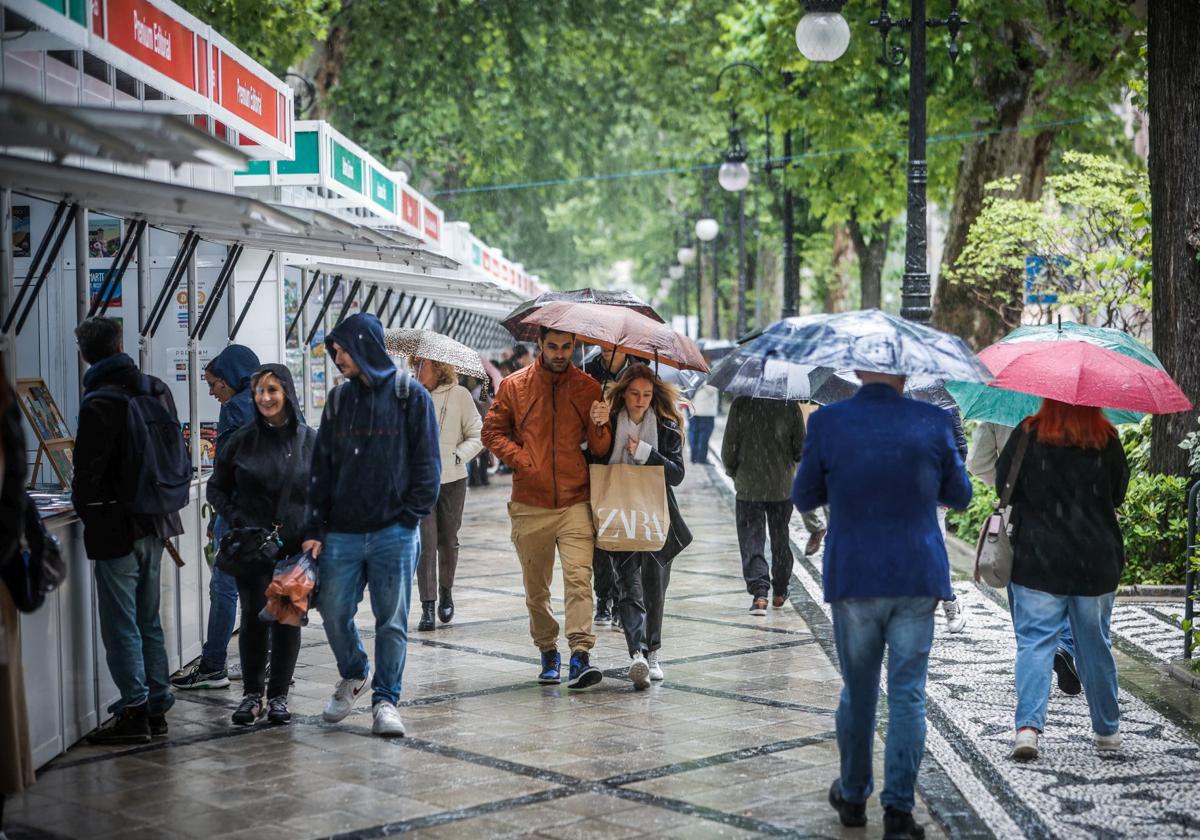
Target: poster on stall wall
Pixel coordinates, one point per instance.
(22, 240)
(104, 236)
(208, 443)
(96, 281)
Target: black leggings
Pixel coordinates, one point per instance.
(257, 636)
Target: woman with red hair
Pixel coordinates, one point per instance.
(1068, 553)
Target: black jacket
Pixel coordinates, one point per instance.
(108, 530)
(253, 466)
(1066, 540)
(12, 492)
(669, 456)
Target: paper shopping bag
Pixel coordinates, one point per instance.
(629, 507)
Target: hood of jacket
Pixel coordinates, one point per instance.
(284, 375)
(234, 365)
(361, 335)
(117, 369)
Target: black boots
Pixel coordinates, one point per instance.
(900, 825)
(426, 616)
(130, 725)
(445, 608)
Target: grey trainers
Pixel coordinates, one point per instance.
(344, 695)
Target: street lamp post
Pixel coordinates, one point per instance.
(706, 231)
(686, 256)
(822, 35)
(734, 176)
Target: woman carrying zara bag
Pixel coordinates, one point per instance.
(647, 431)
(259, 487)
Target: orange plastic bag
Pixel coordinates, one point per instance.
(290, 592)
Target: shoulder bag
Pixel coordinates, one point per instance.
(248, 552)
(993, 551)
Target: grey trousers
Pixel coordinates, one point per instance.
(642, 590)
(439, 541)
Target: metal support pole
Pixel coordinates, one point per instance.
(237, 325)
(451, 322)
(305, 353)
(791, 267)
(305, 295)
(383, 304)
(193, 363)
(366, 304)
(396, 311)
(143, 298)
(53, 232)
(83, 286)
(116, 272)
(914, 294)
(354, 287)
(6, 270)
(163, 302)
(232, 255)
(422, 313)
(412, 301)
(330, 291)
(740, 327)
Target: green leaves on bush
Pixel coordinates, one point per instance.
(965, 524)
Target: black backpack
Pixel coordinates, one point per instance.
(36, 567)
(157, 469)
(399, 385)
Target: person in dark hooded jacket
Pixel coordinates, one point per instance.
(228, 378)
(264, 459)
(376, 472)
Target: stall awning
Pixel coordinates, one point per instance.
(219, 217)
(113, 134)
(445, 290)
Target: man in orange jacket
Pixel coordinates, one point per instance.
(543, 417)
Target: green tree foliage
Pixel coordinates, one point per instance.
(275, 34)
(1089, 230)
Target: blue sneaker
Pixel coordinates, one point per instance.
(583, 673)
(551, 668)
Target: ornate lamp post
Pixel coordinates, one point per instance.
(823, 35)
(706, 231)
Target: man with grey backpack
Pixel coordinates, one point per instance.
(132, 475)
(376, 472)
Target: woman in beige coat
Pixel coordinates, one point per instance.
(459, 426)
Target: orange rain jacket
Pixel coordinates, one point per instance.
(538, 425)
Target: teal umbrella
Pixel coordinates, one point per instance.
(1008, 408)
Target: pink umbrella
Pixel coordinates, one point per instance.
(1082, 373)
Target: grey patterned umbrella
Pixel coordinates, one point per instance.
(871, 340)
(744, 373)
(426, 344)
(844, 384)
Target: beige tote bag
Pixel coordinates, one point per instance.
(629, 507)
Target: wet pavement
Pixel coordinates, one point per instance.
(738, 741)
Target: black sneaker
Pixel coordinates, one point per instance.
(583, 673)
(277, 710)
(603, 614)
(426, 622)
(900, 825)
(250, 710)
(1068, 677)
(130, 725)
(158, 725)
(445, 607)
(852, 814)
(200, 676)
(551, 668)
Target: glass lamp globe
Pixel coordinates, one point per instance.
(822, 36)
(707, 229)
(686, 256)
(734, 175)
(675, 272)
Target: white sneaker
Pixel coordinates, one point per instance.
(656, 671)
(639, 672)
(1025, 746)
(956, 616)
(342, 701)
(387, 720)
(1108, 743)
(234, 671)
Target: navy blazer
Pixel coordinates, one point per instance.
(882, 463)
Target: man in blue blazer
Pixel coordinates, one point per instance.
(882, 463)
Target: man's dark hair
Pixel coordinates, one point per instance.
(520, 351)
(545, 331)
(98, 338)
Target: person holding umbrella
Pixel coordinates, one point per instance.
(646, 427)
(459, 426)
(543, 418)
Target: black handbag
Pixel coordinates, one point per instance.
(37, 567)
(253, 551)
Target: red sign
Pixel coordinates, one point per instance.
(248, 96)
(410, 210)
(433, 228)
(97, 18)
(153, 38)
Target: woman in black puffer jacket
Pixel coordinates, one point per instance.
(255, 465)
(647, 430)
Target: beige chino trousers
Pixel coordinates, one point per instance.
(536, 533)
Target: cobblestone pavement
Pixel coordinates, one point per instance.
(737, 742)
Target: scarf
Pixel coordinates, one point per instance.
(646, 431)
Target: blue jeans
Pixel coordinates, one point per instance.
(700, 429)
(862, 628)
(1037, 619)
(1066, 642)
(384, 561)
(127, 599)
(222, 616)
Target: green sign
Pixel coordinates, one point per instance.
(347, 168)
(383, 191)
(476, 254)
(308, 158)
(77, 10)
(257, 167)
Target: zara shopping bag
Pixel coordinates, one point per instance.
(629, 507)
(993, 551)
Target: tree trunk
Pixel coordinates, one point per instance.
(837, 290)
(871, 256)
(1175, 199)
(331, 55)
